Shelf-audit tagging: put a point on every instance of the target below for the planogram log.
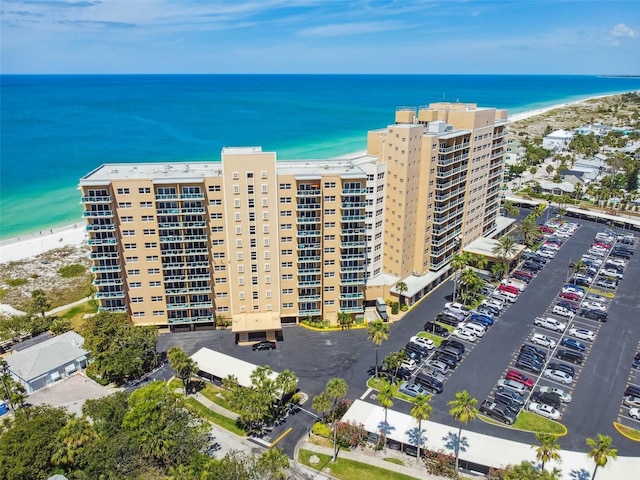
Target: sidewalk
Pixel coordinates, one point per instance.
(369, 456)
(213, 406)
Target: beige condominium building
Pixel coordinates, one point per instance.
(259, 242)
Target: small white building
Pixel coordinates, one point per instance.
(47, 362)
(514, 153)
(558, 140)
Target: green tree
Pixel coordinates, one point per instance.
(286, 384)
(458, 262)
(121, 350)
(464, 410)
(421, 411)
(528, 230)
(12, 390)
(499, 269)
(510, 209)
(385, 399)
(322, 404)
(345, 319)
(394, 360)
(533, 171)
(336, 390)
(272, 465)
(401, 287)
(39, 302)
(601, 451)
(471, 285)
(27, 446)
(378, 332)
(71, 442)
(549, 169)
(480, 261)
(161, 428)
(523, 471)
(107, 413)
(547, 448)
(183, 365)
(504, 249)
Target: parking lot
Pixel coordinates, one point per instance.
(596, 388)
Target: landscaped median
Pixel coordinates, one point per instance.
(530, 422)
(630, 433)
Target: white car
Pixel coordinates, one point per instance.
(634, 413)
(592, 297)
(618, 262)
(564, 396)
(596, 260)
(563, 312)
(464, 334)
(512, 385)
(580, 293)
(493, 303)
(409, 364)
(582, 334)
(439, 366)
(542, 340)
(558, 376)
(544, 410)
(590, 305)
(550, 324)
(456, 307)
(598, 253)
(423, 342)
(475, 328)
(610, 272)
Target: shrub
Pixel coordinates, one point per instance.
(72, 270)
(394, 308)
(440, 463)
(351, 434)
(95, 376)
(321, 429)
(15, 282)
(296, 398)
(404, 307)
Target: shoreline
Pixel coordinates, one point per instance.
(37, 242)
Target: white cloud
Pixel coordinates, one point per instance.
(621, 30)
(354, 28)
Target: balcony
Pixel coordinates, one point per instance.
(352, 218)
(352, 231)
(120, 309)
(102, 241)
(110, 295)
(103, 255)
(356, 269)
(197, 289)
(354, 191)
(175, 291)
(308, 206)
(190, 320)
(310, 298)
(448, 161)
(106, 269)
(203, 304)
(350, 296)
(97, 214)
(166, 266)
(192, 196)
(310, 283)
(107, 282)
(177, 306)
(167, 196)
(309, 193)
(449, 172)
(353, 244)
(304, 246)
(308, 220)
(194, 251)
(199, 277)
(309, 259)
(168, 211)
(192, 210)
(356, 309)
(183, 238)
(352, 281)
(308, 233)
(346, 205)
(309, 271)
(100, 228)
(96, 199)
(182, 225)
(306, 313)
(451, 183)
(453, 148)
(352, 256)
(449, 206)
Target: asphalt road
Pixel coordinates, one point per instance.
(316, 357)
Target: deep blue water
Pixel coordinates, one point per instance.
(57, 128)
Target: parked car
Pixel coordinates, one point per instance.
(570, 356)
(509, 288)
(540, 352)
(520, 378)
(562, 366)
(447, 319)
(412, 389)
(606, 283)
(504, 384)
(570, 295)
(565, 397)
(636, 361)
(573, 344)
(542, 340)
(592, 297)
(459, 346)
(531, 265)
(551, 399)
(544, 410)
(498, 411)
(439, 366)
(449, 360)
(526, 363)
(581, 281)
(263, 345)
(610, 272)
(570, 287)
(510, 402)
(456, 307)
(631, 401)
(550, 324)
(558, 376)
(484, 318)
(582, 334)
(423, 341)
(634, 413)
(465, 334)
(568, 304)
(429, 382)
(594, 314)
(477, 329)
(410, 365)
(562, 311)
(436, 329)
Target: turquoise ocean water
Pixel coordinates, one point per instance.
(57, 128)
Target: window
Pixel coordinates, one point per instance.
(137, 299)
(147, 218)
(267, 279)
(150, 245)
(126, 219)
(329, 250)
(265, 215)
(218, 280)
(219, 255)
(266, 242)
(158, 313)
(152, 258)
(329, 302)
(267, 255)
(285, 199)
(236, 203)
(138, 314)
(286, 226)
(124, 205)
(330, 198)
(240, 268)
(329, 237)
(135, 284)
(131, 259)
(217, 242)
(146, 204)
(215, 201)
(155, 283)
(222, 309)
(287, 276)
(329, 289)
(286, 252)
(255, 295)
(128, 233)
(329, 263)
(267, 293)
(123, 191)
(222, 294)
(249, 174)
(329, 224)
(285, 186)
(287, 264)
(215, 215)
(240, 280)
(241, 295)
(239, 243)
(264, 188)
(236, 189)
(330, 211)
(285, 213)
(265, 202)
(287, 291)
(330, 185)
(149, 231)
(329, 274)
(240, 256)
(265, 228)
(156, 298)
(263, 174)
(153, 271)
(133, 272)
(130, 246)
(286, 239)
(235, 175)
(217, 229)
(214, 188)
(287, 305)
(238, 217)
(219, 268)
(250, 189)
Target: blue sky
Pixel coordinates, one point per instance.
(321, 36)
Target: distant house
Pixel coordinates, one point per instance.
(47, 362)
(557, 188)
(514, 153)
(597, 129)
(558, 140)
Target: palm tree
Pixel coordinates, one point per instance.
(480, 261)
(510, 209)
(577, 267)
(378, 332)
(385, 399)
(285, 384)
(533, 171)
(421, 411)
(336, 389)
(528, 230)
(577, 191)
(549, 169)
(499, 270)
(458, 262)
(504, 249)
(471, 282)
(463, 409)
(601, 451)
(401, 287)
(344, 319)
(71, 440)
(394, 360)
(547, 448)
(321, 403)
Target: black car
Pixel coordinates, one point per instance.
(522, 278)
(450, 360)
(570, 356)
(531, 265)
(568, 305)
(620, 254)
(417, 350)
(632, 390)
(447, 319)
(453, 343)
(563, 367)
(264, 345)
(548, 398)
(508, 401)
(580, 281)
(538, 259)
(403, 373)
(429, 383)
(636, 361)
(528, 365)
(436, 329)
(413, 355)
(531, 358)
(488, 309)
(594, 314)
(624, 249)
(531, 348)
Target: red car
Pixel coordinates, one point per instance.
(509, 288)
(519, 377)
(570, 295)
(523, 273)
(602, 244)
(546, 229)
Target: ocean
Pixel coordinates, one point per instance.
(57, 128)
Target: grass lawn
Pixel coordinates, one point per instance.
(397, 461)
(211, 392)
(220, 420)
(436, 339)
(76, 314)
(601, 292)
(533, 422)
(628, 432)
(349, 469)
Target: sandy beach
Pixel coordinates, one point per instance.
(532, 113)
(31, 245)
